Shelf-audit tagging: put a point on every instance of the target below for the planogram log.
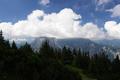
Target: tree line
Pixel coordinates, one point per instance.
(50, 63)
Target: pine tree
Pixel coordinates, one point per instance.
(1, 37)
(2, 41)
(46, 50)
(67, 55)
(14, 45)
(26, 48)
(116, 65)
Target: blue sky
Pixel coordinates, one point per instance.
(14, 10)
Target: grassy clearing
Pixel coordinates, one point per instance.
(80, 72)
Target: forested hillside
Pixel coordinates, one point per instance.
(51, 63)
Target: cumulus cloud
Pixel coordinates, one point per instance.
(91, 31)
(115, 12)
(113, 29)
(100, 2)
(64, 24)
(44, 2)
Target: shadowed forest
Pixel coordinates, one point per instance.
(50, 63)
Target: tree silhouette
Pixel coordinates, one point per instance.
(14, 45)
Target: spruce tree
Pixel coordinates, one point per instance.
(14, 45)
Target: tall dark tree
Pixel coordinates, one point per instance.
(67, 55)
(14, 45)
(116, 65)
(46, 50)
(1, 36)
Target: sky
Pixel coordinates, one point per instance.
(92, 19)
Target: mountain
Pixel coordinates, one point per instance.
(111, 47)
(84, 44)
(37, 42)
(109, 42)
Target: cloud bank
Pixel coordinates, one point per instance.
(64, 24)
(115, 12)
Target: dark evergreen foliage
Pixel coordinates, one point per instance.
(25, 64)
(50, 63)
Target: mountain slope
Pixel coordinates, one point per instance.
(84, 44)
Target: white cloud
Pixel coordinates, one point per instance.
(64, 24)
(44, 2)
(100, 2)
(91, 31)
(115, 11)
(113, 29)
